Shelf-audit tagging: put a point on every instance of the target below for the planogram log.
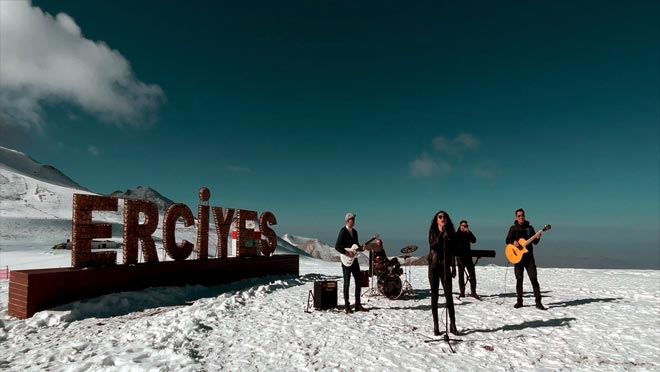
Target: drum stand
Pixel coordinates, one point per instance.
(406, 287)
(373, 288)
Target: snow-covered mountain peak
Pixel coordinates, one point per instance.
(20, 163)
(145, 193)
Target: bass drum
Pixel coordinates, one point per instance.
(390, 285)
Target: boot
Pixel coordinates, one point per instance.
(436, 329)
(540, 306)
(358, 307)
(518, 304)
(475, 296)
(461, 295)
(347, 308)
(453, 330)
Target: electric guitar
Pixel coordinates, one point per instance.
(348, 261)
(515, 254)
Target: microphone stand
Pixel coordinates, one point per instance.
(445, 279)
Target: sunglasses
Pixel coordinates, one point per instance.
(520, 215)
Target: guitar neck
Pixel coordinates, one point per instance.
(534, 237)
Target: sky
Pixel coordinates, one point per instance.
(389, 110)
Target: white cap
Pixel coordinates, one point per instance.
(348, 216)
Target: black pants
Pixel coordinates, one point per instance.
(355, 270)
(527, 263)
(465, 262)
(436, 276)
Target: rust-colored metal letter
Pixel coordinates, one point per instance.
(178, 252)
(134, 231)
(245, 234)
(222, 226)
(202, 247)
(268, 247)
(84, 230)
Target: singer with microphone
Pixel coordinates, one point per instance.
(441, 254)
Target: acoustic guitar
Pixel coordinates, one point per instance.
(515, 254)
(348, 261)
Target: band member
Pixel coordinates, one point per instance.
(348, 236)
(465, 237)
(377, 258)
(441, 239)
(521, 229)
(380, 263)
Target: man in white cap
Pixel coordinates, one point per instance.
(347, 237)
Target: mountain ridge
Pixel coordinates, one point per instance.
(23, 164)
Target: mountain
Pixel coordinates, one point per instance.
(29, 190)
(145, 193)
(35, 201)
(284, 247)
(318, 249)
(25, 165)
(36, 204)
(313, 247)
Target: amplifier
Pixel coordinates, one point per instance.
(325, 294)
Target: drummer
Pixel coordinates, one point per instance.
(377, 251)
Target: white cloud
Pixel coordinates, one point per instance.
(450, 154)
(460, 143)
(47, 59)
(466, 140)
(93, 150)
(424, 166)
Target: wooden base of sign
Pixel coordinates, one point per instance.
(31, 291)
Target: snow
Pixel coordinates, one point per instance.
(597, 320)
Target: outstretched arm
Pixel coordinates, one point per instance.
(537, 240)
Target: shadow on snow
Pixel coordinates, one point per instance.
(558, 322)
(583, 301)
(122, 303)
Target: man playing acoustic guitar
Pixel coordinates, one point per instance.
(521, 229)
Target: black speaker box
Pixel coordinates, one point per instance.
(325, 294)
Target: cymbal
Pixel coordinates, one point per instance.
(409, 249)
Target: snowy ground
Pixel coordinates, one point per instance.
(597, 320)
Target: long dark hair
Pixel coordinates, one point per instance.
(434, 232)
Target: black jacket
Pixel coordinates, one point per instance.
(463, 240)
(437, 250)
(345, 240)
(524, 231)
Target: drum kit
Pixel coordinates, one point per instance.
(389, 272)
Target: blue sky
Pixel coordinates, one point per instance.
(391, 110)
